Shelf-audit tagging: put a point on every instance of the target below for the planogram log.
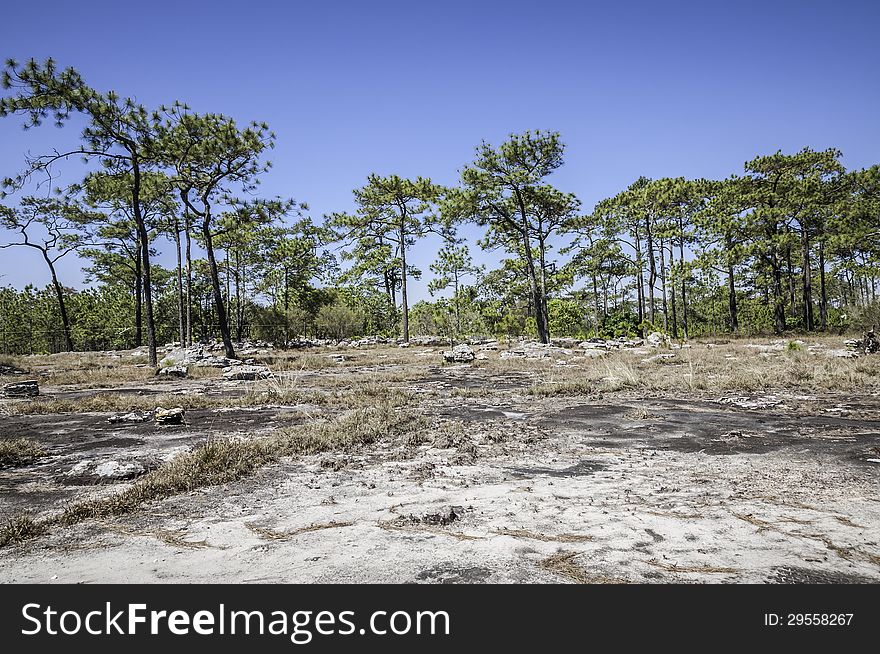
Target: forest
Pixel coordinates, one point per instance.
(788, 243)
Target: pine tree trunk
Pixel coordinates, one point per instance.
(239, 311)
(652, 269)
(144, 238)
(62, 307)
(404, 300)
(807, 274)
(138, 297)
(543, 286)
(778, 299)
(456, 302)
(219, 306)
(731, 297)
(640, 281)
(672, 295)
(189, 280)
(684, 300)
(792, 294)
(180, 311)
(662, 249)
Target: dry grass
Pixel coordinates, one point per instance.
(563, 565)
(267, 533)
(218, 462)
(20, 529)
(84, 369)
(707, 569)
(735, 365)
(369, 376)
(316, 360)
(110, 402)
(701, 370)
(99, 375)
(173, 537)
(556, 538)
(17, 452)
(762, 525)
(354, 393)
(564, 388)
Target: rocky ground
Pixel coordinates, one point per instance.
(719, 462)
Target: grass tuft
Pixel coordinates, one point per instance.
(20, 529)
(17, 452)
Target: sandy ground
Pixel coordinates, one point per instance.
(613, 488)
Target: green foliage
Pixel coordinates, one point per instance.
(392, 214)
(620, 323)
(790, 243)
(569, 317)
(504, 190)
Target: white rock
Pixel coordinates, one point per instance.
(460, 354)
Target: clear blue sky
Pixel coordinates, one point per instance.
(350, 88)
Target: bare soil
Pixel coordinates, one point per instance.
(637, 483)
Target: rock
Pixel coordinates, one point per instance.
(657, 339)
(246, 373)
(134, 416)
(28, 388)
(535, 351)
(173, 358)
(173, 416)
(766, 402)
(428, 341)
(869, 344)
(196, 356)
(460, 354)
(338, 358)
(174, 371)
(444, 516)
(10, 370)
(97, 472)
(216, 362)
(565, 342)
(593, 344)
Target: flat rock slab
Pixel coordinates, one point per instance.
(246, 373)
(28, 388)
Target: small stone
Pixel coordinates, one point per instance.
(460, 354)
(445, 516)
(170, 416)
(246, 373)
(28, 388)
(174, 371)
(134, 416)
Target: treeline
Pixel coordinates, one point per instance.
(789, 243)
